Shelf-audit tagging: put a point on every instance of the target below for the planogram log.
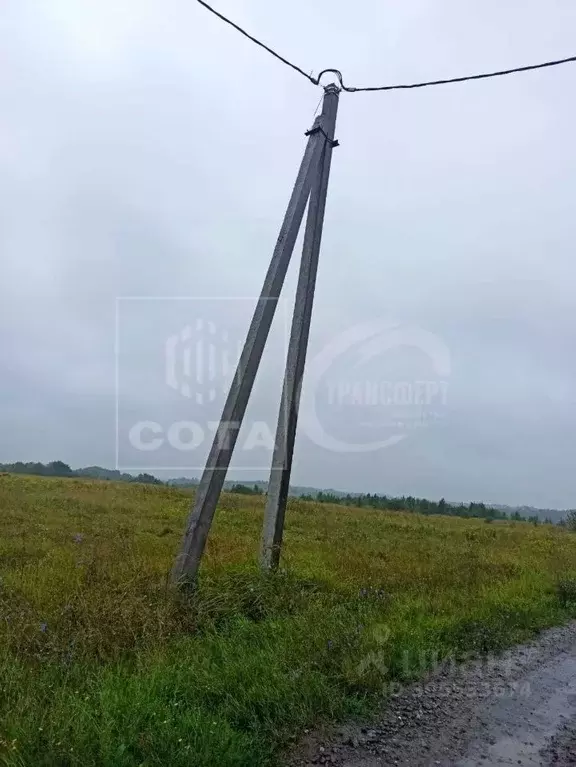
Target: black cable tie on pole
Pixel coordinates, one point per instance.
(320, 129)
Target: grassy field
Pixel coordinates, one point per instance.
(102, 664)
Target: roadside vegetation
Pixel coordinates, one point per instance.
(101, 663)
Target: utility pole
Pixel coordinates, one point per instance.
(312, 171)
(279, 483)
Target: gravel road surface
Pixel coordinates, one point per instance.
(516, 709)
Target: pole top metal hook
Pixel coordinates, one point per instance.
(331, 85)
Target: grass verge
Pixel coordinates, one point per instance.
(101, 664)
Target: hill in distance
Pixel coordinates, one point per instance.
(382, 502)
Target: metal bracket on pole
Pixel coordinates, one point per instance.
(279, 483)
(319, 129)
(208, 492)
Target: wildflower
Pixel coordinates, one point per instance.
(78, 537)
(43, 627)
(330, 644)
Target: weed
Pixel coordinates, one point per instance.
(566, 591)
(103, 663)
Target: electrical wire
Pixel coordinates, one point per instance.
(448, 81)
(408, 86)
(313, 80)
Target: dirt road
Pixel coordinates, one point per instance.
(517, 709)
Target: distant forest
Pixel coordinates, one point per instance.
(61, 469)
(374, 501)
(424, 506)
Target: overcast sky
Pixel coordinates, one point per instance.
(146, 150)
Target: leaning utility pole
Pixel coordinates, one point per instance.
(279, 483)
(312, 176)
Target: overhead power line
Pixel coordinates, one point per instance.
(407, 86)
(463, 79)
(313, 80)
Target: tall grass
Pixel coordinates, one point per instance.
(101, 663)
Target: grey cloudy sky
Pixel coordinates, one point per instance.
(147, 150)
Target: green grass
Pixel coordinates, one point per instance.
(101, 663)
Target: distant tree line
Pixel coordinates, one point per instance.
(421, 506)
(246, 489)
(373, 501)
(61, 469)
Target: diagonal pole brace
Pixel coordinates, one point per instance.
(279, 484)
(208, 492)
